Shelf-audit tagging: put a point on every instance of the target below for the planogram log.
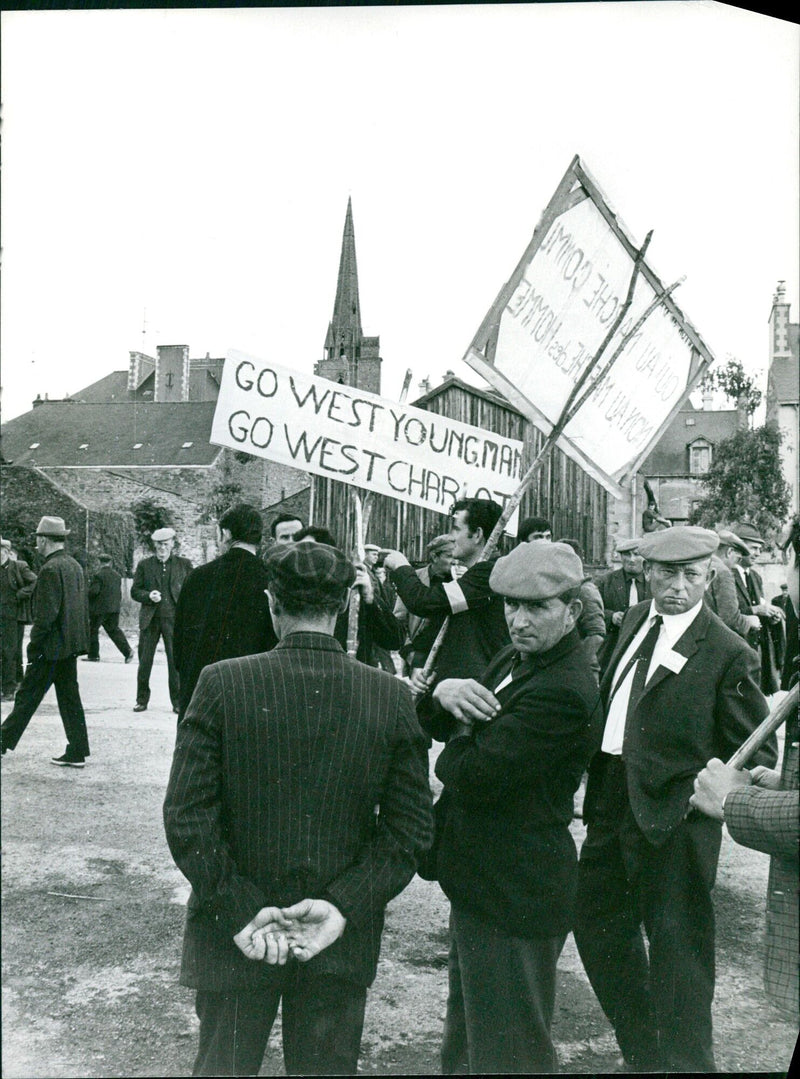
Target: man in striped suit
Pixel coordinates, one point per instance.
(297, 805)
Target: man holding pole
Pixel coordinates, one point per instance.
(679, 689)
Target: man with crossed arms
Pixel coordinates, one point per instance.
(680, 688)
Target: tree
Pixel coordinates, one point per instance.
(149, 515)
(745, 482)
(735, 383)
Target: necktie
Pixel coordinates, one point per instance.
(643, 653)
(633, 594)
(752, 588)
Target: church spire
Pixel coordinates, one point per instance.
(344, 330)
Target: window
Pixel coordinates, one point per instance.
(699, 457)
(137, 445)
(33, 446)
(83, 446)
(186, 445)
(690, 421)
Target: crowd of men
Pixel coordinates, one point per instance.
(299, 801)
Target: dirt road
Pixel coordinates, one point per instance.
(93, 915)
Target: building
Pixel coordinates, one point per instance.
(783, 387)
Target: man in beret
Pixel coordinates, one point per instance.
(721, 594)
(59, 634)
(521, 738)
(620, 589)
(297, 805)
(157, 583)
(680, 688)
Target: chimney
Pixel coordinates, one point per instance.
(708, 400)
(425, 385)
(172, 373)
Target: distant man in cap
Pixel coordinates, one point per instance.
(297, 805)
(759, 807)
(17, 581)
(679, 689)
(285, 527)
(157, 584)
(437, 570)
(59, 634)
(620, 589)
(721, 595)
(768, 640)
(223, 610)
(105, 602)
(523, 734)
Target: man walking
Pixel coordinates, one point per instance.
(223, 610)
(59, 634)
(157, 583)
(525, 732)
(105, 601)
(297, 804)
(680, 688)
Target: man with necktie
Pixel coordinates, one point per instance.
(769, 639)
(620, 589)
(680, 688)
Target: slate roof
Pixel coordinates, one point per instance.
(785, 379)
(670, 457)
(110, 432)
(113, 387)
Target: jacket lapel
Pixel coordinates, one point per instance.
(627, 632)
(685, 646)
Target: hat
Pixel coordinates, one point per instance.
(163, 534)
(371, 547)
(439, 543)
(748, 533)
(5, 543)
(730, 539)
(309, 572)
(102, 557)
(628, 545)
(537, 570)
(53, 527)
(686, 543)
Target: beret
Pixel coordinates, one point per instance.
(438, 543)
(537, 570)
(309, 572)
(746, 531)
(624, 546)
(163, 534)
(685, 543)
(730, 539)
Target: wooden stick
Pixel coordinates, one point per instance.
(68, 895)
(779, 714)
(355, 595)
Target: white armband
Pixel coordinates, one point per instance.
(455, 597)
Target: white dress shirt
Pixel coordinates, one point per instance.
(673, 628)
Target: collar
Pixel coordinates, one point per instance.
(675, 625)
(239, 545)
(324, 642)
(524, 661)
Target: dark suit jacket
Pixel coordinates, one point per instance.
(105, 592)
(148, 575)
(506, 853)
(615, 592)
(22, 581)
(60, 610)
(682, 720)
(280, 762)
(222, 613)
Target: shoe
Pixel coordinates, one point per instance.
(176, 710)
(90, 659)
(140, 707)
(129, 658)
(67, 761)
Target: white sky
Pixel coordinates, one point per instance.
(197, 164)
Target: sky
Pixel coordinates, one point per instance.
(182, 176)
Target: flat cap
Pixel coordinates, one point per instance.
(371, 547)
(53, 527)
(730, 539)
(163, 534)
(440, 543)
(747, 531)
(537, 570)
(685, 543)
(624, 546)
(309, 572)
(103, 557)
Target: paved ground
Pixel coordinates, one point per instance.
(93, 914)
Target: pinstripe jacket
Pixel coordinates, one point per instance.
(766, 820)
(280, 763)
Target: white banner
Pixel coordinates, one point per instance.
(554, 315)
(359, 438)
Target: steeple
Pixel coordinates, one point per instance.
(350, 358)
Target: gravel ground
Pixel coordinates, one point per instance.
(92, 920)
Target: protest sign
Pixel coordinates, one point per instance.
(359, 438)
(554, 313)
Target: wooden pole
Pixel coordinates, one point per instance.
(779, 714)
(355, 595)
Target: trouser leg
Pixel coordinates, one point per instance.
(8, 653)
(148, 639)
(679, 918)
(508, 985)
(454, 1053)
(609, 938)
(20, 638)
(323, 1019)
(95, 621)
(38, 678)
(111, 626)
(70, 706)
(167, 629)
(234, 1030)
